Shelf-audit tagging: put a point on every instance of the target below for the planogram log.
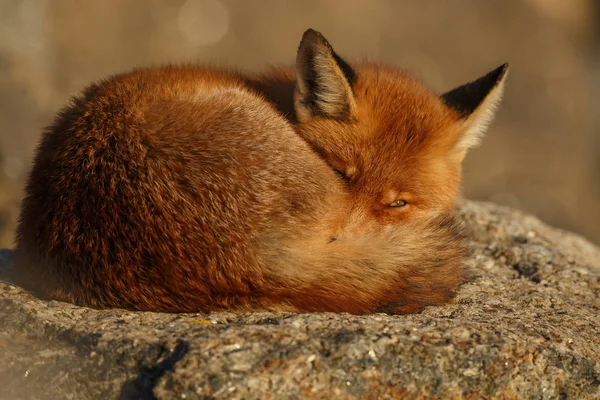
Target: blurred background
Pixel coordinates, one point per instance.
(542, 154)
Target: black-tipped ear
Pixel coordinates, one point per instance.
(476, 103)
(323, 80)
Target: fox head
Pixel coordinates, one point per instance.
(397, 146)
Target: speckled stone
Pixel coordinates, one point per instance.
(526, 325)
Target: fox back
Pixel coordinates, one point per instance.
(182, 189)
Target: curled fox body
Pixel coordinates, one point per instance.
(325, 188)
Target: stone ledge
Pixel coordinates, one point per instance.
(526, 325)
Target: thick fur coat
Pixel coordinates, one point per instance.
(328, 187)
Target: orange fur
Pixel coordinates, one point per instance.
(186, 189)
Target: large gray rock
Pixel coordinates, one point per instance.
(527, 325)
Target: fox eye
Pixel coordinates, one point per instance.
(341, 175)
(398, 203)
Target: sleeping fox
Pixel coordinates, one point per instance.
(327, 187)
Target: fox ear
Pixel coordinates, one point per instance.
(323, 81)
(476, 103)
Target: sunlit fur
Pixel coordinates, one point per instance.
(183, 189)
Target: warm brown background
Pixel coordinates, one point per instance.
(542, 154)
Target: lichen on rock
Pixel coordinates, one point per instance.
(525, 325)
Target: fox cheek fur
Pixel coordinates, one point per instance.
(182, 189)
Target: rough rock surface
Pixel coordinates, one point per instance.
(527, 325)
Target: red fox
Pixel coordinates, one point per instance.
(191, 189)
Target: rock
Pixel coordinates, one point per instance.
(526, 325)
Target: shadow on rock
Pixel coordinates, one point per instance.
(142, 386)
